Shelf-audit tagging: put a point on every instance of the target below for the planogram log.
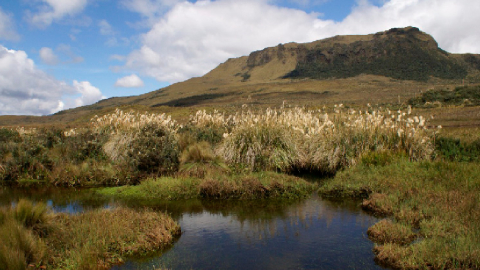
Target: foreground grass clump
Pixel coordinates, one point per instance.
(20, 244)
(250, 186)
(98, 239)
(436, 203)
(31, 236)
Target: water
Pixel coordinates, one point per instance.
(308, 234)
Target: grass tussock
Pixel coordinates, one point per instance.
(298, 139)
(199, 160)
(21, 230)
(98, 239)
(437, 199)
(92, 240)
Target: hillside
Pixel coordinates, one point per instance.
(385, 67)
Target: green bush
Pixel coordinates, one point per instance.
(455, 150)
(154, 150)
(8, 135)
(468, 95)
(212, 135)
(378, 158)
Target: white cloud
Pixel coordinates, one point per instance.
(7, 27)
(193, 38)
(89, 93)
(55, 10)
(25, 89)
(48, 56)
(129, 81)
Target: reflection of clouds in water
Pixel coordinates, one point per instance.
(309, 234)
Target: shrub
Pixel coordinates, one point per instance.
(8, 135)
(154, 150)
(455, 150)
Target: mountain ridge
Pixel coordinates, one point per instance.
(353, 69)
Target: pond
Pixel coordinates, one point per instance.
(258, 234)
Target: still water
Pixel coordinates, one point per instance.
(259, 234)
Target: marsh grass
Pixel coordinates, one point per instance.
(246, 186)
(296, 139)
(33, 216)
(19, 247)
(92, 240)
(199, 160)
(98, 239)
(127, 147)
(439, 199)
(21, 229)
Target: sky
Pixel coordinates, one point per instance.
(60, 54)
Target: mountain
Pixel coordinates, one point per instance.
(378, 68)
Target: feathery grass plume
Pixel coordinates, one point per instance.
(290, 138)
(143, 142)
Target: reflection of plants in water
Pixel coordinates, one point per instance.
(267, 218)
(58, 197)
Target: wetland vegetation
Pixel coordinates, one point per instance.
(422, 180)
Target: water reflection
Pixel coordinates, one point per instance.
(311, 234)
(254, 234)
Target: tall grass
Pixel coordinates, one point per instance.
(21, 227)
(300, 139)
(126, 147)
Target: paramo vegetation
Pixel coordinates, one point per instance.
(125, 147)
(426, 184)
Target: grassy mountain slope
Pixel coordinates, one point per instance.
(385, 67)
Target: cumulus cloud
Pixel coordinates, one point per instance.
(129, 81)
(25, 89)
(89, 93)
(54, 10)
(193, 38)
(48, 56)
(7, 27)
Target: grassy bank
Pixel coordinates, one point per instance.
(249, 186)
(432, 208)
(32, 237)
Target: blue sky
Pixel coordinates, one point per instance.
(59, 54)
